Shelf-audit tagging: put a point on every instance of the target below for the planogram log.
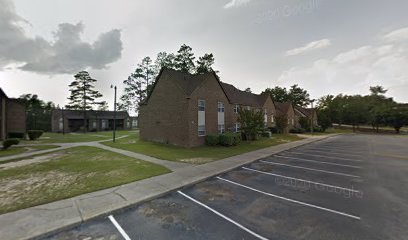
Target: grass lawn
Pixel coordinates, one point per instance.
(49, 137)
(197, 155)
(69, 173)
(17, 150)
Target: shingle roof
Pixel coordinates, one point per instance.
(3, 93)
(283, 108)
(78, 114)
(237, 96)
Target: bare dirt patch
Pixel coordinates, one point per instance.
(33, 160)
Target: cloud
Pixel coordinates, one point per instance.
(309, 47)
(236, 3)
(66, 54)
(397, 35)
(354, 70)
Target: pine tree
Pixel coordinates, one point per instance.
(184, 60)
(204, 64)
(83, 96)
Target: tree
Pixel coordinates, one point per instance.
(164, 59)
(397, 117)
(248, 90)
(38, 112)
(281, 123)
(323, 119)
(204, 64)
(298, 96)
(304, 123)
(184, 60)
(138, 85)
(252, 123)
(83, 96)
(277, 93)
(104, 106)
(377, 90)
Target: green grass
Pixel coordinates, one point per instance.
(17, 150)
(195, 155)
(49, 137)
(73, 172)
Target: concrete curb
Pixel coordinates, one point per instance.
(43, 220)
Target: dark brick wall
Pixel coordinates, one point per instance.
(165, 117)
(16, 116)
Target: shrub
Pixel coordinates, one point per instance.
(237, 138)
(266, 134)
(11, 141)
(273, 130)
(227, 139)
(212, 139)
(297, 130)
(34, 134)
(16, 135)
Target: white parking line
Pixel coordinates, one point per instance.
(292, 200)
(336, 149)
(301, 180)
(120, 229)
(337, 158)
(320, 162)
(310, 169)
(223, 216)
(335, 153)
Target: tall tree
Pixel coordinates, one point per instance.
(278, 94)
(377, 90)
(184, 60)
(299, 96)
(204, 63)
(83, 94)
(138, 85)
(38, 112)
(164, 59)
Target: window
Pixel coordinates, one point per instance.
(248, 108)
(288, 121)
(272, 119)
(293, 121)
(237, 127)
(221, 128)
(266, 117)
(201, 105)
(201, 130)
(236, 108)
(221, 107)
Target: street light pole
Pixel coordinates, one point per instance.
(114, 115)
(311, 124)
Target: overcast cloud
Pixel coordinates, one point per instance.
(67, 53)
(309, 47)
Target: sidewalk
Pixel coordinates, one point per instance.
(43, 219)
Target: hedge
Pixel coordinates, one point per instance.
(16, 135)
(34, 134)
(212, 140)
(11, 141)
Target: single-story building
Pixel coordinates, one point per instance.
(12, 116)
(75, 120)
(183, 108)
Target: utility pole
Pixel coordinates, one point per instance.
(114, 115)
(311, 124)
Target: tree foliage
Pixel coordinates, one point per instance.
(184, 60)
(83, 94)
(252, 123)
(38, 112)
(295, 94)
(374, 109)
(281, 123)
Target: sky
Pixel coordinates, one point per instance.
(324, 46)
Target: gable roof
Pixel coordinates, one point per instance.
(283, 108)
(187, 82)
(237, 96)
(3, 93)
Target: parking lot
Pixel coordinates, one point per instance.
(344, 187)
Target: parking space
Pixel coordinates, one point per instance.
(332, 189)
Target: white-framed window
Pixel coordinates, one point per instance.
(201, 105)
(293, 121)
(61, 124)
(237, 127)
(221, 128)
(221, 107)
(94, 124)
(265, 117)
(288, 121)
(201, 130)
(236, 108)
(272, 119)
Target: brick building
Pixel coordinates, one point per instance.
(286, 109)
(182, 108)
(12, 116)
(73, 120)
(308, 113)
